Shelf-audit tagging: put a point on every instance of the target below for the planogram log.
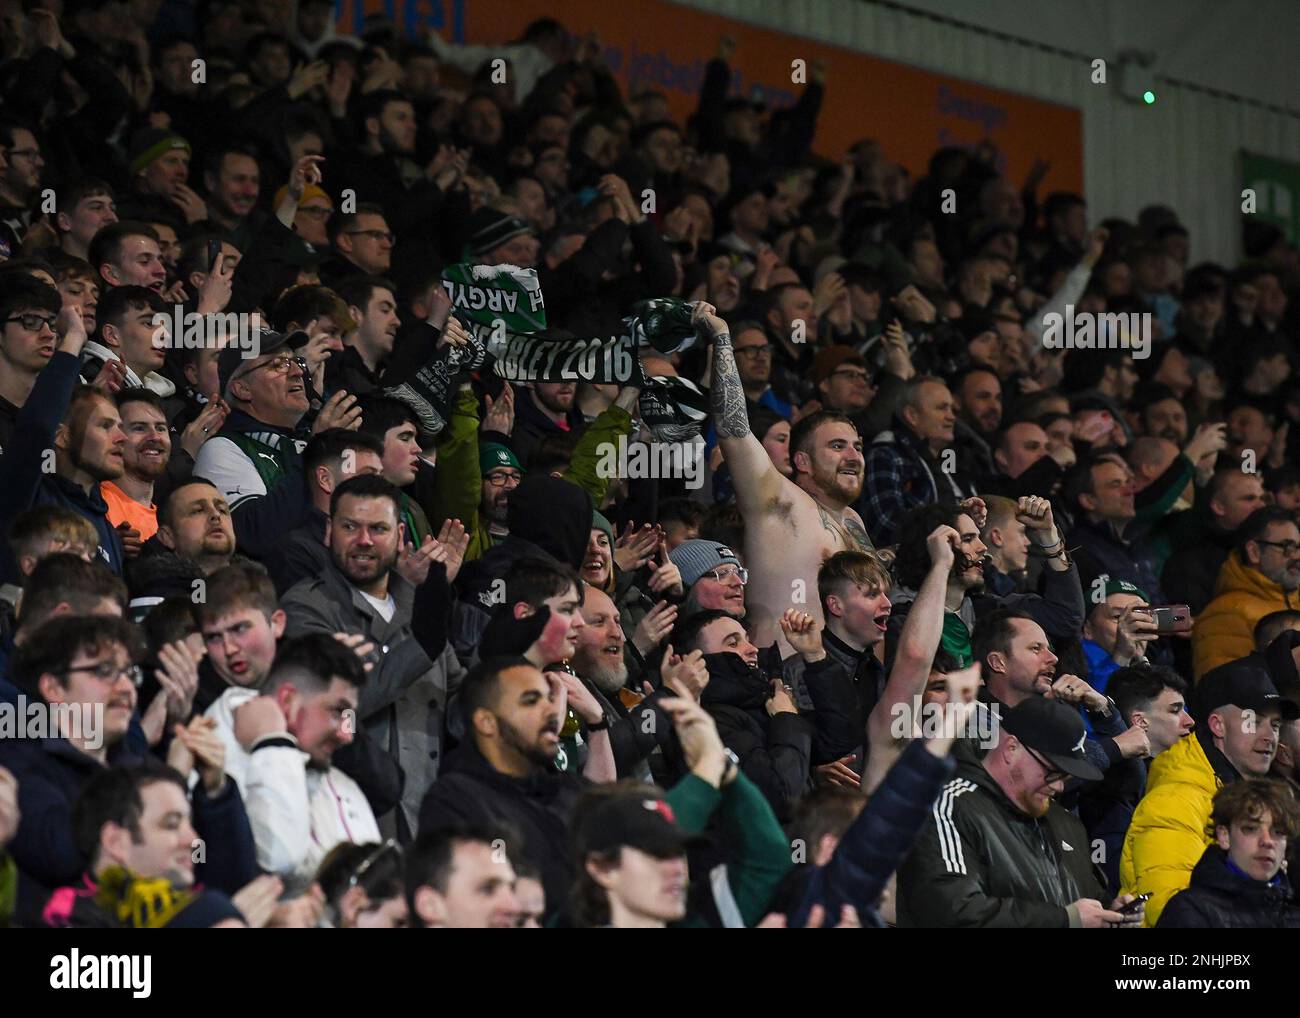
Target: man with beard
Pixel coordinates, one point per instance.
(791, 524)
(501, 473)
(83, 428)
(998, 851)
(505, 773)
(1017, 664)
(1260, 576)
(329, 459)
(1059, 610)
(396, 599)
(20, 182)
(232, 182)
(372, 305)
(756, 716)
(637, 726)
(542, 410)
(385, 173)
(977, 392)
(146, 452)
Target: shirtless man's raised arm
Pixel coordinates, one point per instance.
(753, 473)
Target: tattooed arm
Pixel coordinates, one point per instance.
(753, 473)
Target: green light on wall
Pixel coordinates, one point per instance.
(1149, 97)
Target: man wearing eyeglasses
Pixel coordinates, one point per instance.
(501, 475)
(843, 381)
(363, 243)
(66, 439)
(1260, 576)
(28, 308)
(255, 460)
(754, 365)
(83, 670)
(21, 182)
(713, 576)
(998, 851)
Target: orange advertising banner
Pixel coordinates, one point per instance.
(665, 46)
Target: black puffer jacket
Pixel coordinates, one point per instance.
(1219, 898)
(775, 751)
(981, 862)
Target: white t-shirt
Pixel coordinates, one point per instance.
(386, 608)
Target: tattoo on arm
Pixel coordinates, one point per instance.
(729, 415)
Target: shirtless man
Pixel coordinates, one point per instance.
(791, 524)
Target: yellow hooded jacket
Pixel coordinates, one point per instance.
(1225, 629)
(1168, 833)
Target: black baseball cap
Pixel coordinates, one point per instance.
(639, 821)
(1054, 731)
(234, 360)
(1245, 683)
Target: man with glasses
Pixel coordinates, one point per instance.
(313, 211)
(843, 381)
(1260, 576)
(712, 575)
(28, 309)
(76, 430)
(84, 670)
(362, 242)
(998, 851)
(21, 181)
(255, 460)
(754, 365)
(501, 475)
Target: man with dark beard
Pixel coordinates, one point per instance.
(1059, 609)
(791, 524)
(987, 857)
(637, 726)
(542, 410)
(506, 771)
(148, 448)
(398, 600)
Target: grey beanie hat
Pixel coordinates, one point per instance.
(695, 558)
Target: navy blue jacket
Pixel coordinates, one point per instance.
(878, 840)
(24, 483)
(52, 772)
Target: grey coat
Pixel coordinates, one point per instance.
(404, 702)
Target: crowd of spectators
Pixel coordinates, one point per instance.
(286, 641)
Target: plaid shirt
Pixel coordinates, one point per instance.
(899, 478)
